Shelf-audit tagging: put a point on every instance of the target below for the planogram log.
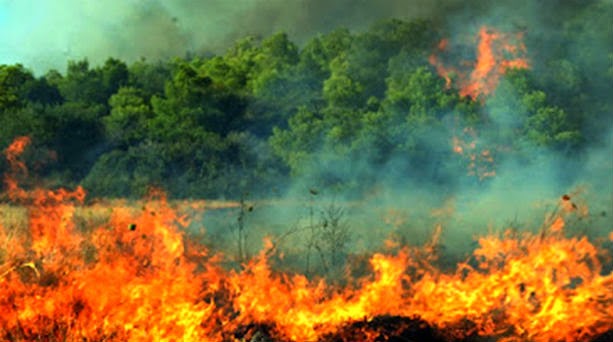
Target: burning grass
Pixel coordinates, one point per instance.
(71, 271)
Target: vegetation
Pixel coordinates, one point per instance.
(335, 110)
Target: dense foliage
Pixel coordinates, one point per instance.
(337, 111)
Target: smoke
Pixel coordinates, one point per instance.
(528, 185)
(45, 34)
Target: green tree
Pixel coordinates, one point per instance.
(296, 145)
(126, 125)
(114, 74)
(548, 125)
(317, 54)
(81, 84)
(14, 80)
(341, 89)
(276, 55)
(193, 98)
(42, 92)
(75, 131)
(127, 173)
(149, 78)
(371, 51)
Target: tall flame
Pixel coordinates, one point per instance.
(497, 52)
(492, 62)
(136, 277)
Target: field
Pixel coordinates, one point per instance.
(121, 270)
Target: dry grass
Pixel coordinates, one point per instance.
(13, 217)
(14, 220)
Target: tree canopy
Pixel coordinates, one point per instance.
(337, 109)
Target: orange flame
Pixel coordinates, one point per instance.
(17, 167)
(491, 62)
(440, 68)
(136, 277)
(497, 52)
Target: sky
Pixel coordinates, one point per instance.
(44, 34)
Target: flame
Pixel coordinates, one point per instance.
(497, 52)
(17, 167)
(492, 63)
(136, 277)
(440, 68)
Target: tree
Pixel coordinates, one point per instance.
(320, 51)
(149, 78)
(74, 130)
(114, 74)
(126, 125)
(127, 173)
(303, 137)
(341, 89)
(13, 83)
(40, 91)
(371, 51)
(549, 126)
(193, 98)
(82, 84)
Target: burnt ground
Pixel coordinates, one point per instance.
(390, 329)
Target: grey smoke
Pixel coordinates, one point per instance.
(45, 34)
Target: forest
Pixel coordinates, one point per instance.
(343, 110)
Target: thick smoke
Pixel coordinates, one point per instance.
(45, 34)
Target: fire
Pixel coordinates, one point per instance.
(479, 159)
(497, 52)
(440, 68)
(12, 153)
(136, 277)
